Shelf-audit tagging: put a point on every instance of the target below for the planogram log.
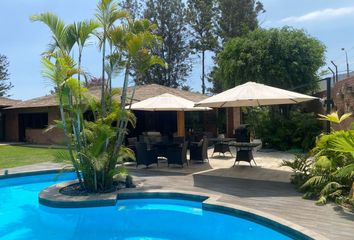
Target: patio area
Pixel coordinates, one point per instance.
(264, 187)
(267, 169)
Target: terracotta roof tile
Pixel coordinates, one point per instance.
(6, 102)
(141, 93)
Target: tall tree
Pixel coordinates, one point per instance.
(237, 17)
(169, 17)
(5, 86)
(96, 149)
(286, 58)
(201, 15)
(133, 7)
(107, 14)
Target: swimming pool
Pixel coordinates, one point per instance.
(22, 217)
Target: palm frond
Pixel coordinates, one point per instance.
(345, 172)
(314, 181)
(61, 35)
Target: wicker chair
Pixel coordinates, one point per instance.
(221, 147)
(132, 145)
(145, 156)
(199, 152)
(177, 155)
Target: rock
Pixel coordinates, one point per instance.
(129, 182)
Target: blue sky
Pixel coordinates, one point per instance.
(332, 22)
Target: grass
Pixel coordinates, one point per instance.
(15, 156)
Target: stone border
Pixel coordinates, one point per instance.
(211, 202)
(34, 173)
(52, 197)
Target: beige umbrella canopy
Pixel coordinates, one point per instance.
(166, 102)
(253, 94)
(169, 102)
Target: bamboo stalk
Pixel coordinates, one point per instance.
(67, 139)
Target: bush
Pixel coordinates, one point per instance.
(283, 131)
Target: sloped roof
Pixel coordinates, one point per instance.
(141, 93)
(6, 102)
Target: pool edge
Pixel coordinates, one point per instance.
(209, 202)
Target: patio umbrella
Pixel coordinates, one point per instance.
(167, 102)
(253, 94)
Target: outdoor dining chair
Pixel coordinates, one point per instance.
(177, 155)
(199, 151)
(145, 156)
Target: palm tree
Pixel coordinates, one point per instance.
(81, 31)
(134, 40)
(107, 14)
(95, 148)
(62, 39)
(59, 72)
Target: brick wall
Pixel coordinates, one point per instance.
(343, 98)
(35, 136)
(11, 126)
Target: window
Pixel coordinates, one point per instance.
(34, 120)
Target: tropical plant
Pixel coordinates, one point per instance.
(334, 118)
(331, 177)
(96, 147)
(61, 38)
(81, 32)
(107, 14)
(301, 167)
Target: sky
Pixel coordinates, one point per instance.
(331, 22)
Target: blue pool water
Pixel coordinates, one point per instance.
(22, 217)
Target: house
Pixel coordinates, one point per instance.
(26, 121)
(4, 102)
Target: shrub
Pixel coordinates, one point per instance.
(283, 131)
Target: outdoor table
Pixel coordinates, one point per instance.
(162, 147)
(221, 139)
(244, 151)
(221, 145)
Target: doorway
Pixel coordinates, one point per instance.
(31, 120)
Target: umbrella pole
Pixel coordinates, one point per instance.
(180, 124)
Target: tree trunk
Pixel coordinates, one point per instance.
(80, 122)
(68, 144)
(122, 121)
(103, 101)
(203, 72)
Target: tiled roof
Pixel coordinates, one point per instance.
(6, 102)
(141, 93)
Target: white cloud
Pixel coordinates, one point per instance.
(324, 14)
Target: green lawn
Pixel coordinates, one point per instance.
(14, 156)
